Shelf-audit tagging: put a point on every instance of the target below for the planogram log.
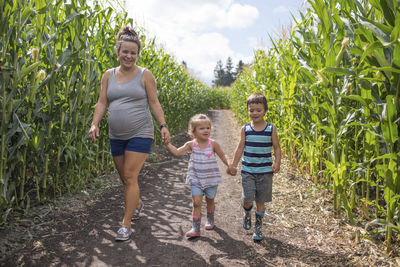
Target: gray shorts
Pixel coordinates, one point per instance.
(257, 187)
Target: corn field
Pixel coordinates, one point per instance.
(333, 87)
(53, 54)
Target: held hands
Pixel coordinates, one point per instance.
(231, 170)
(165, 135)
(93, 132)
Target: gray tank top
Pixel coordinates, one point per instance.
(128, 111)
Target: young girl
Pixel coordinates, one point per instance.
(203, 173)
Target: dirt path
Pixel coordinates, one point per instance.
(299, 226)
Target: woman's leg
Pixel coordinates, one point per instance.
(119, 164)
(133, 163)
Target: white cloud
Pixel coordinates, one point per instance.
(201, 53)
(237, 17)
(189, 29)
(281, 9)
(196, 15)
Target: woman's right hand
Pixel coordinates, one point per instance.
(93, 132)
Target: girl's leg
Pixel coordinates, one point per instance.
(197, 202)
(210, 204)
(133, 163)
(196, 214)
(210, 214)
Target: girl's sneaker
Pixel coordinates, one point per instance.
(123, 234)
(136, 216)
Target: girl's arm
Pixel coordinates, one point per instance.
(100, 108)
(182, 150)
(150, 85)
(218, 150)
(277, 151)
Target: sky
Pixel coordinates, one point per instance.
(201, 32)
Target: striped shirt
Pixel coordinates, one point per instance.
(203, 168)
(257, 157)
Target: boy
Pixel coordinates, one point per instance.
(256, 142)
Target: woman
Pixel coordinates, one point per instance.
(129, 92)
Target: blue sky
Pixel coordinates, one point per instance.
(201, 32)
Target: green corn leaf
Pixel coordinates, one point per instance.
(390, 115)
(376, 31)
(27, 69)
(340, 71)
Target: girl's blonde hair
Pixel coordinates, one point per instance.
(195, 121)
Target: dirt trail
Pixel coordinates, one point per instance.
(299, 226)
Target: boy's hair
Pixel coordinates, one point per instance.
(257, 98)
(195, 120)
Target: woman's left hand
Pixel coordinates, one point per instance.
(165, 135)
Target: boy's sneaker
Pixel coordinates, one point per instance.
(123, 234)
(138, 211)
(247, 221)
(192, 233)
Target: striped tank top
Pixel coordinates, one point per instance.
(257, 156)
(203, 168)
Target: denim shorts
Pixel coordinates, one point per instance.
(210, 192)
(135, 144)
(257, 187)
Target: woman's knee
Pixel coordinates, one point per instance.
(130, 180)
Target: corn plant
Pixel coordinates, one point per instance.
(334, 89)
(52, 56)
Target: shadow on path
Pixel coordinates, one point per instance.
(86, 237)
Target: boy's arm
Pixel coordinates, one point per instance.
(238, 153)
(239, 149)
(277, 151)
(181, 150)
(218, 150)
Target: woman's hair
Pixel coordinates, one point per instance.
(195, 121)
(127, 34)
(257, 98)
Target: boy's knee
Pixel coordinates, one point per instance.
(260, 207)
(247, 205)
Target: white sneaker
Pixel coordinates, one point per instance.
(123, 234)
(138, 211)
